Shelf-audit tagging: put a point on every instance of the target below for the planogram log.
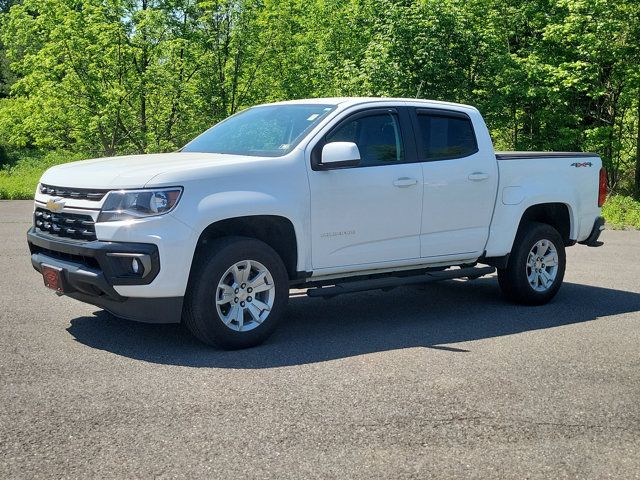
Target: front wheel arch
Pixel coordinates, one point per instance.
(276, 231)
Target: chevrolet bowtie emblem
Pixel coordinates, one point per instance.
(55, 204)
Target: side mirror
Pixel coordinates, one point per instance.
(340, 155)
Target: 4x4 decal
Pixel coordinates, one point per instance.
(582, 164)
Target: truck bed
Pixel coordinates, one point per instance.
(537, 155)
(569, 178)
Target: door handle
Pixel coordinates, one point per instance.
(478, 176)
(404, 182)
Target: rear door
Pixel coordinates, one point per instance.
(369, 214)
(460, 183)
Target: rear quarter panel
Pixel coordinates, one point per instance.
(526, 182)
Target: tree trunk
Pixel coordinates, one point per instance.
(143, 85)
(637, 183)
(143, 101)
(514, 114)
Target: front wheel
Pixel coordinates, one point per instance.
(237, 292)
(536, 265)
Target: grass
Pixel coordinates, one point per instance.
(22, 169)
(621, 212)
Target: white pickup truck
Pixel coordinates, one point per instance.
(334, 195)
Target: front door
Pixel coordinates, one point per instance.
(369, 214)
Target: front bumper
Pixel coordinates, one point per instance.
(91, 270)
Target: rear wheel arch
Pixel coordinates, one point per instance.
(556, 214)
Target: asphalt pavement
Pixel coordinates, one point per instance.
(442, 381)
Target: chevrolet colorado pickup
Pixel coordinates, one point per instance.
(334, 195)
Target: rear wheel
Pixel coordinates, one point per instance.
(536, 265)
(237, 293)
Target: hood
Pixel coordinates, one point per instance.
(133, 171)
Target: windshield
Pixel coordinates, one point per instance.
(265, 131)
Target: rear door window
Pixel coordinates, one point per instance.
(443, 136)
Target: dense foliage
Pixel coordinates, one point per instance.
(23, 168)
(622, 212)
(112, 76)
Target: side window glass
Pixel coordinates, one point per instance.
(446, 137)
(377, 136)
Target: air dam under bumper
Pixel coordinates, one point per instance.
(91, 269)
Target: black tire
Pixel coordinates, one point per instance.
(514, 281)
(200, 314)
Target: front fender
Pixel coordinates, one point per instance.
(242, 203)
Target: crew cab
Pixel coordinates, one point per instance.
(333, 195)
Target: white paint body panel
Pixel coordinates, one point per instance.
(358, 215)
(459, 196)
(348, 221)
(528, 182)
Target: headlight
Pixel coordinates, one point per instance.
(131, 204)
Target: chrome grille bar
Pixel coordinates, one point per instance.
(64, 224)
(76, 193)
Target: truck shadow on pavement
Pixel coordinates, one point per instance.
(317, 330)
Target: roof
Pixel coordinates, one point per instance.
(350, 101)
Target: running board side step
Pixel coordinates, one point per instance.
(387, 283)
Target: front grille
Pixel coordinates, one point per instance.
(75, 193)
(67, 225)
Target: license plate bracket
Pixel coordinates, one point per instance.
(52, 277)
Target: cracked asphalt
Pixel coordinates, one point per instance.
(443, 381)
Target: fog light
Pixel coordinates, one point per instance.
(135, 265)
(138, 264)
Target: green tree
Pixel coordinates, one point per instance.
(120, 76)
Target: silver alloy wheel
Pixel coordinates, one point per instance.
(542, 265)
(245, 295)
